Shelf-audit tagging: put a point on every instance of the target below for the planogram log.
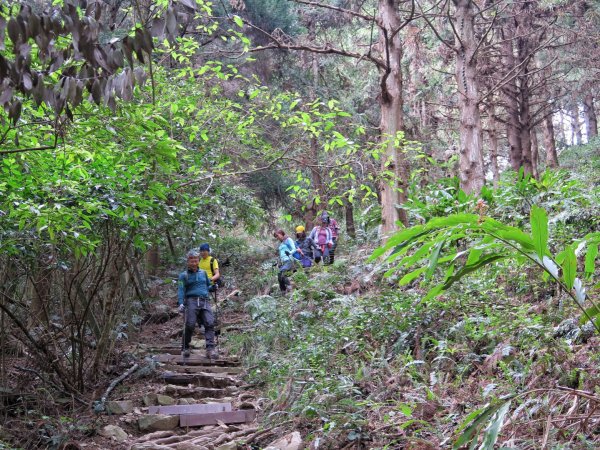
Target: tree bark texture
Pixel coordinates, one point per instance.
(392, 188)
(509, 91)
(549, 143)
(470, 155)
(575, 125)
(591, 122)
(534, 154)
(493, 136)
(349, 213)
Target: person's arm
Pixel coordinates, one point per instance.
(181, 289)
(215, 270)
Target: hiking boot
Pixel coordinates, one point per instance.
(212, 353)
(186, 352)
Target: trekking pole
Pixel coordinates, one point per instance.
(217, 326)
(183, 335)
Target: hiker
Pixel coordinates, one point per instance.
(192, 297)
(334, 227)
(286, 260)
(321, 235)
(211, 266)
(306, 246)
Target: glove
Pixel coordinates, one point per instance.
(181, 308)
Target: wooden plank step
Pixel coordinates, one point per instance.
(198, 408)
(211, 380)
(205, 369)
(196, 360)
(194, 420)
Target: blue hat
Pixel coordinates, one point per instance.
(205, 247)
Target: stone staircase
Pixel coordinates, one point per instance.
(201, 406)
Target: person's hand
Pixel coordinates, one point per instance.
(287, 253)
(330, 245)
(181, 308)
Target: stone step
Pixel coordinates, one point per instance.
(196, 360)
(210, 380)
(200, 392)
(198, 408)
(205, 369)
(194, 420)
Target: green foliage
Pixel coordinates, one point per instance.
(489, 241)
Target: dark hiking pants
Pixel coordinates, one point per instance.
(284, 281)
(197, 310)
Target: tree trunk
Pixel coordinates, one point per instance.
(470, 155)
(153, 259)
(493, 135)
(591, 123)
(509, 91)
(350, 227)
(549, 143)
(41, 284)
(575, 124)
(534, 153)
(394, 161)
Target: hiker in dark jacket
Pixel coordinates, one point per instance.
(306, 246)
(192, 297)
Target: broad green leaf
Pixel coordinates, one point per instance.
(476, 422)
(451, 221)
(434, 292)
(465, 270)
(411, 276)
(569, 267)
(238, 21)
(539, 230)
(491, 433)
(405, 409)
(433, 260)
(401, 238)
(590, 258)
(590, 314)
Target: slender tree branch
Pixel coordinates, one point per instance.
(336, 8)
(32, 149)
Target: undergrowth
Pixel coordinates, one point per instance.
(496, 356)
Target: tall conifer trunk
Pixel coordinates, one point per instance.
(470, 155)
(393, 193)
(575, 125)
(591, 122)
(509, 91)
(549, 143)
(493, 135)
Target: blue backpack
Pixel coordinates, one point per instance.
(296, 254)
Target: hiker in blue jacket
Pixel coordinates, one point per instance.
(286, 250)
(192, 297)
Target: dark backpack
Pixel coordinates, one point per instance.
(219, 281)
